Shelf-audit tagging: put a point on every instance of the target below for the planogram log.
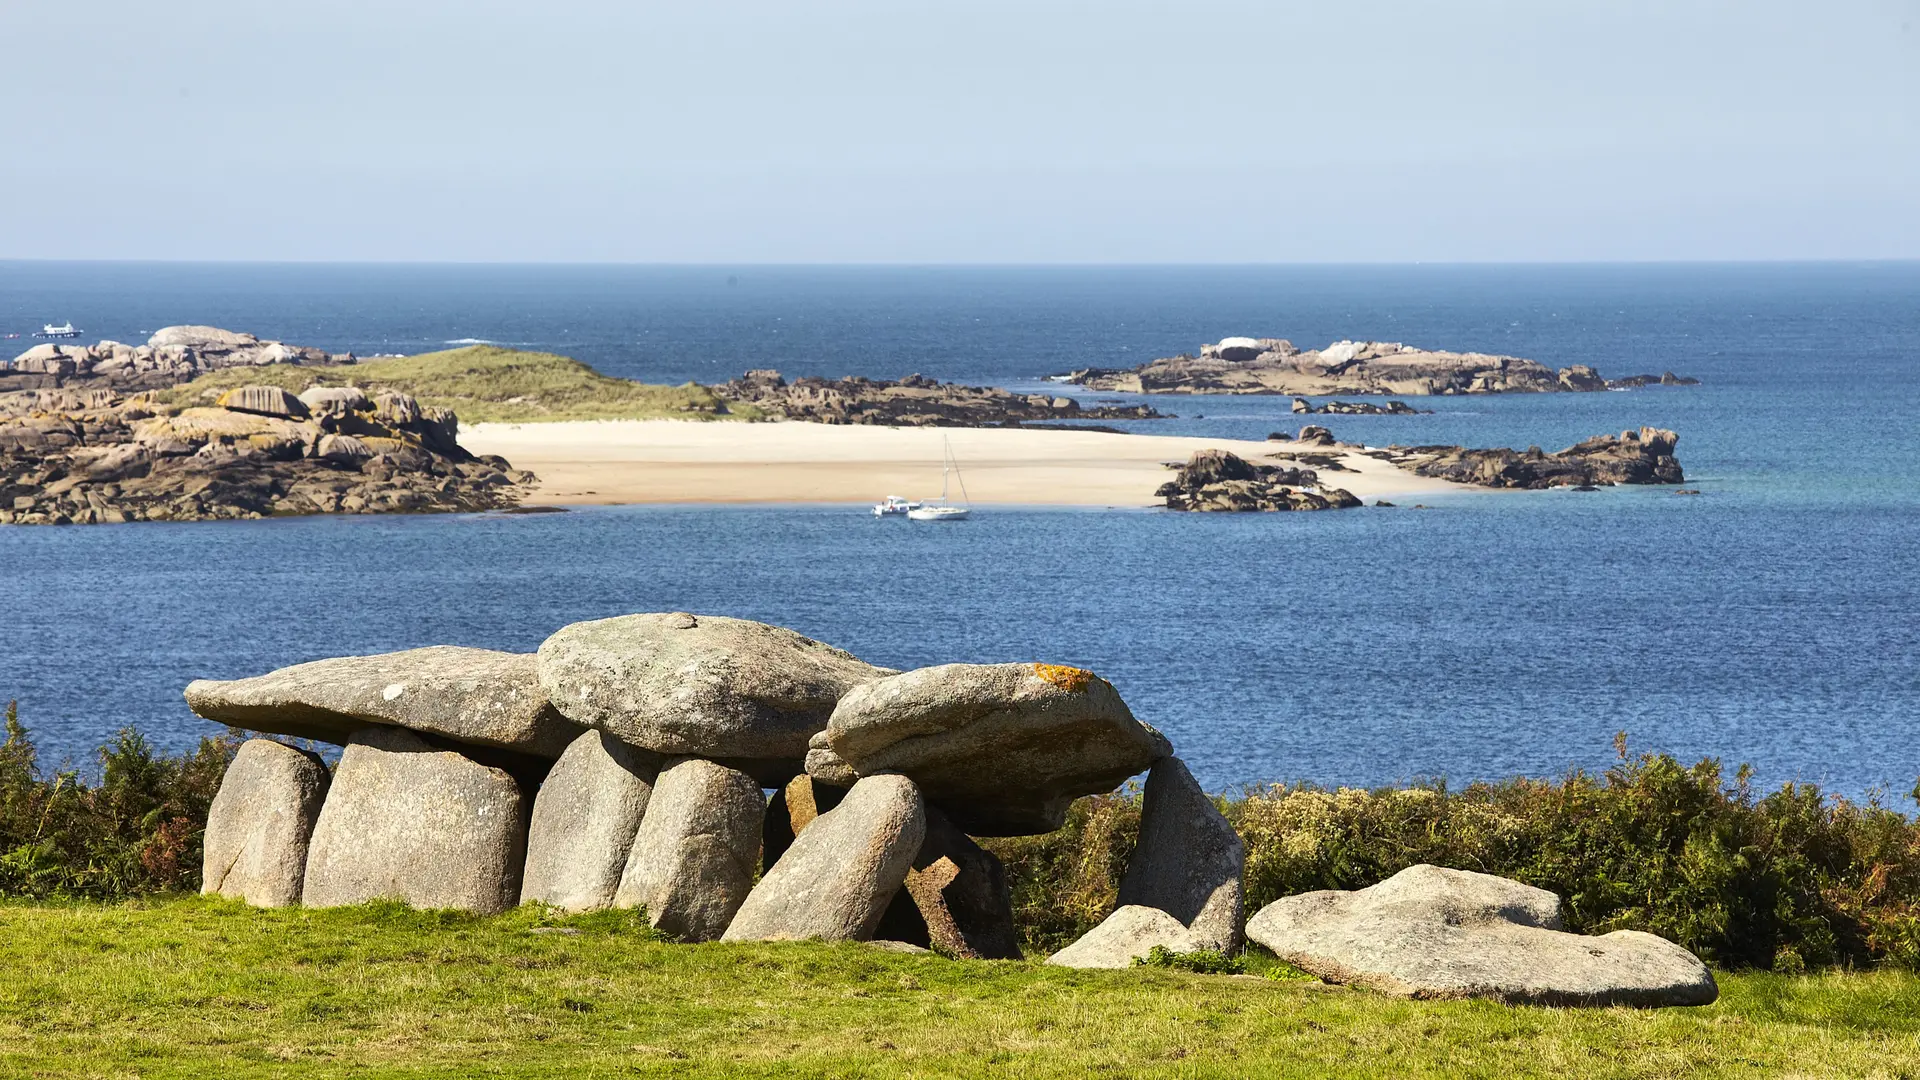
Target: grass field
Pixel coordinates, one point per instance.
(197, 988)
(484, 383)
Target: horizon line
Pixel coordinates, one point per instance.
(960, 264)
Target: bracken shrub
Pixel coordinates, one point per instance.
(134, 832)
(1789, 881)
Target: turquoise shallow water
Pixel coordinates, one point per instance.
(1772, 620)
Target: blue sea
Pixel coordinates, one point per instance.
(1772, 620)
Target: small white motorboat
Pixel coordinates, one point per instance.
(940, 509)
(65, 330)
(892, 505)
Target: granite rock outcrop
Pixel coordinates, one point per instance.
(1244, 365)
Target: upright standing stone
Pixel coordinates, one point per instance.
(1189, 861)
(406, 821)
(960, 890)
(698, 846)
(260, 823)
(837, 878)
(584, 821)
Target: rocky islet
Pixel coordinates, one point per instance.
(1245, 365)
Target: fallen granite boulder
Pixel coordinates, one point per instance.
(1189, 861)
(260, 823)
(474, 696)
(836, 879)
(1220, 480)
(1129, 934)
(1003, 749)
(705, 685)
(407, 821)
(1431, 932)
(694, 857)
(585, 817)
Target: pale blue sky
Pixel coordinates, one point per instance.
(1031, 131)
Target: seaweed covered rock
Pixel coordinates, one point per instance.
(1643, 456)
(1222, 480)
(1003, 749)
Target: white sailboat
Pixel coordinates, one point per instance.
(941, 509)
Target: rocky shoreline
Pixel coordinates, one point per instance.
(173, 355)
(102, 456)
(1241, 365)
(915, 401)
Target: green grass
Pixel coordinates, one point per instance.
(483, 383)
(196, 988)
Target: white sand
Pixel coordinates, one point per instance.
(677, 461)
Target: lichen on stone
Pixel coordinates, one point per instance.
(1071, 679)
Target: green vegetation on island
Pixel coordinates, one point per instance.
(483, 384)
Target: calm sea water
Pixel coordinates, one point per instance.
(1773, 620)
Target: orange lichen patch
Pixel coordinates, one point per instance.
(1066, 678)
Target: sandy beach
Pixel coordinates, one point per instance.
(674, 461)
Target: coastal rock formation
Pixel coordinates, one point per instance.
(1431, 932)
(1128, 934)
(1189, 861)
(675, 683)
(260, 823)
(406, 821)
(1357, 408)
(837, 878)
(103, 456)
(698, 847)
(474, 696)
(172, 355)
(1222, 480)
(1274, 366)
(584, 820)
(915, 401)
(1001, 748)
(1631, 457)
